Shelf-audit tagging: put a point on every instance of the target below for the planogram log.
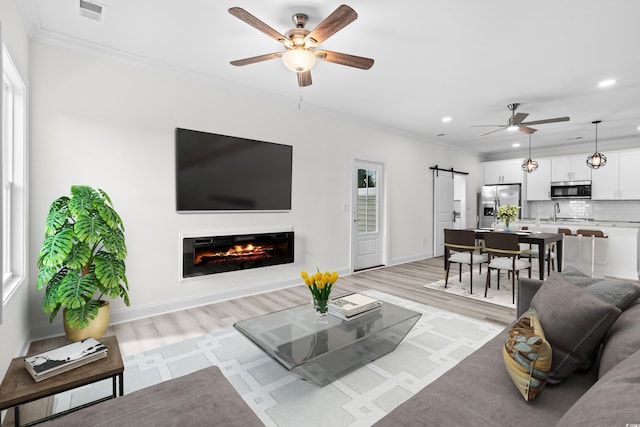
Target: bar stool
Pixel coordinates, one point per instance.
(595, 234)
(571, 248)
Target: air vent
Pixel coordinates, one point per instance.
(91, 10)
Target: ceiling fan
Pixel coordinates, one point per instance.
(516, 122)
(300, 43)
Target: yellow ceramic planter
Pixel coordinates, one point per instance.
(96, 329)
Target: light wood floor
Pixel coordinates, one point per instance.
(405, 280)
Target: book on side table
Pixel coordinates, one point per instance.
(353, 305)
(62, 359)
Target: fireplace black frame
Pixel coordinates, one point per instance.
(283, 252)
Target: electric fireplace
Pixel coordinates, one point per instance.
(220, 254)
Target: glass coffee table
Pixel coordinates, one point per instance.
(320, 351)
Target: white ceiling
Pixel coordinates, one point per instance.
(466, 59)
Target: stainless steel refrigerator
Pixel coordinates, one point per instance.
(493, 196)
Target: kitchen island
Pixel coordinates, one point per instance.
(616, 256)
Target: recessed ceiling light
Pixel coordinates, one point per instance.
(515, 144)
(446, 119)
(607, 83)
(638, 127)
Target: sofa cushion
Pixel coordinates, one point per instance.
(613, 400)
(527, 355)
(582, 281)
(574, 322)
(622, 340)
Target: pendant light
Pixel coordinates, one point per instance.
(529, 165)
(596, 160)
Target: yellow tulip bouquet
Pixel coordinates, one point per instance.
(320, 285)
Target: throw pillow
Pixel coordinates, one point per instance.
(569, 270)
(527, 355)
(574, 323)
(622, 340)
(617, 292)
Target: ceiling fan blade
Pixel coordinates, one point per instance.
(340, 18)
(345, 59)
(526, 129)
(304, 78)
(497, 130)
(245, 16)
(518, 118)
(254, 59)
(541, 122)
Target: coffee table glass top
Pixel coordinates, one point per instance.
(321, 351)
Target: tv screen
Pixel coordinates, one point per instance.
(225, 173)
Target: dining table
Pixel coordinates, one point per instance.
(534, 238)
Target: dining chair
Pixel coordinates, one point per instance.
(505, 254)
(549, 255)
(460, 248)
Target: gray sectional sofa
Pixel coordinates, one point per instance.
(479, 392)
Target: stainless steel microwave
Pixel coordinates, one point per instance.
(571, 190)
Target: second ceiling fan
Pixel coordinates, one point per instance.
(516, 122)
(300, 43)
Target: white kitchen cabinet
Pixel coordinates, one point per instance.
(570, 168)
(539, 181)
(618, 179)
(503, 172)
(605, 180)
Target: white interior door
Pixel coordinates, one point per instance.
(368, 223)
(443, 211)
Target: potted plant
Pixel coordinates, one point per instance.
(82, 260)
(508, 213)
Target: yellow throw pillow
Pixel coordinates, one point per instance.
(527, 355)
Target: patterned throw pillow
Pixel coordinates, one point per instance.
(527, 355)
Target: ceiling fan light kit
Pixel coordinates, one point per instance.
(596, 160)
(298, 59)
(300, 43)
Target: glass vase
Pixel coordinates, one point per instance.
(321, 307)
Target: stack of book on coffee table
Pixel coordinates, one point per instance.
(352, 306)
(62, 359)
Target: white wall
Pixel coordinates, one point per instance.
(14, 330)
(111, 125)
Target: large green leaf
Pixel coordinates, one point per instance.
(75, 290)
(82, 198)
(45, 274)
(79, 317)
(51, 302)
(90, 228)
(79, 256)
(56, 248)
(110, 216)
(58, 216)
(114, 243)
(109, 270)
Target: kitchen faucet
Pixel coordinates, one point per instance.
(556, 210)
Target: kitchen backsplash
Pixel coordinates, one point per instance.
(609, 210)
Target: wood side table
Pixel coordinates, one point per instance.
(18, 387)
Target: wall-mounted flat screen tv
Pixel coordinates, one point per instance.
(226, 173)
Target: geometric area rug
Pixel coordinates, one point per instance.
(434, 345)
(496, 296)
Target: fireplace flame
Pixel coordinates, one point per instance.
(236, 252)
